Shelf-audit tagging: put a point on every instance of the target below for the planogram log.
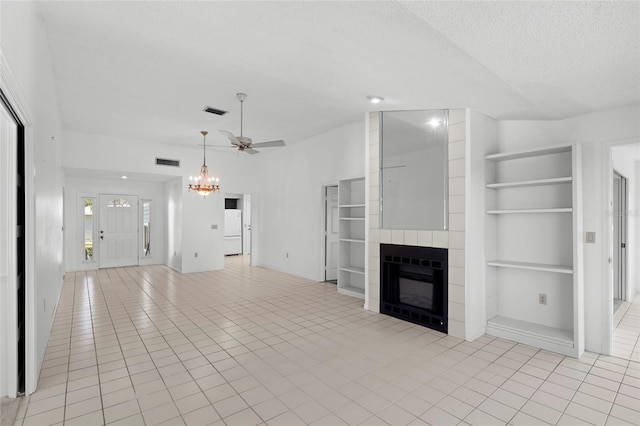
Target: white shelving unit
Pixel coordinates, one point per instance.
(534, 248)
(351, 236)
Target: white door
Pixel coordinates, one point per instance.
(331, 234)
(246, 234)
(118, 230)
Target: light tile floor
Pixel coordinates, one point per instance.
(626, 336)
(247, 346)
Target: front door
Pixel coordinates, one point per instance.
(331, 234)
(118, 230)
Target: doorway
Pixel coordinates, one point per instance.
(331, 225)
(621, 184)
(237, 224)
(619, 212)
(118, 235)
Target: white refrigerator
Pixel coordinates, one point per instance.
(232, 231)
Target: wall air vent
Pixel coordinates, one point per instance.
(167, 162)
(214, 111)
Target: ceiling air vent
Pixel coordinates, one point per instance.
(167, 162)
(214, 111)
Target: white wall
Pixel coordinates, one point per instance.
(77, 187)
(27, 79)
(626, 160)
(173, 196)
(592, 131)
(290, 197)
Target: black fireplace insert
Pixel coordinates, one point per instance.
(414, 283)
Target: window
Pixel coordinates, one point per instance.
(88, 220)
(118, 202)
(146, 228)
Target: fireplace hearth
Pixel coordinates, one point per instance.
(414, 284)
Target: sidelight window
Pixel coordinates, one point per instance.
(88, 218)
(146, 228)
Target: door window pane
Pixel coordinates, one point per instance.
(118, 202)
(146, 228)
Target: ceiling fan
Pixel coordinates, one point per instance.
(243, 143)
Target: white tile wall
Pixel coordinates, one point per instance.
(452, 239)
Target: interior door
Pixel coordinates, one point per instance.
(331, 234)
(118, 230)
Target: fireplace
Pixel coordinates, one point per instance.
(414, 284)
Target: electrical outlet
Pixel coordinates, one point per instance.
(214, 226)
(195, 254)
(542, 299)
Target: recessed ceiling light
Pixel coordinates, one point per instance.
(434, 122)
(124, 177)
(375, 99)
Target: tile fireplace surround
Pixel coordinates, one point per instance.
(452, 239)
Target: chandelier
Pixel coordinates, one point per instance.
(203, 184)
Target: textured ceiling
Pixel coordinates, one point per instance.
(146, 69)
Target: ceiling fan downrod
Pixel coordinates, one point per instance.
(241, 97)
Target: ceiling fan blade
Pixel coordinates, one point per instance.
(268, 144)
(231, 137)
(251, 151)
(215, 145)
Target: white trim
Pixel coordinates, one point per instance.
(607, 239)
(10, 316)
(322, 273)
(18, 102)
(367, 201)
(32, 368)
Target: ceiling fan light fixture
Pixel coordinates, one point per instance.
(375, 99)
(243, 143)
(204, 184)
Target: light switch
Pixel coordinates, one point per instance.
(590, 237)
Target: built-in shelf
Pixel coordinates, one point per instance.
(508, 327)
(351, 235)
(352, 269)
(533, 207)
(561, 269)
(527, 211)
(351, 205)
(527, 153)
(352, 240)
(524, 183)
(352, 291)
